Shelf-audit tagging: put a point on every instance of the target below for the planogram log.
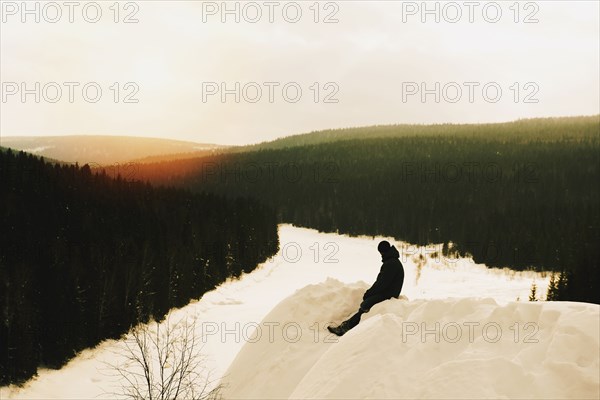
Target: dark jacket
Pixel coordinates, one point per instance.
(391, 276)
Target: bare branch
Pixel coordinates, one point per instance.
(163, 361)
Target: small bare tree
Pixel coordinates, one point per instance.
(163, 362)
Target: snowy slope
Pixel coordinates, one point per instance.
(228, 315)
(453, 348)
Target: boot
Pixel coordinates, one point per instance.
(338, 330)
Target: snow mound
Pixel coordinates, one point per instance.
(452, 348)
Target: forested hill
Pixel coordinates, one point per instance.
(522, 130)
(84, 256)
(526, 199)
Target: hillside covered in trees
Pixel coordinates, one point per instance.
(517, 131)
(84, 256)
(522, 194)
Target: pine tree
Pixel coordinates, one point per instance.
(552, 288)
(533, 292)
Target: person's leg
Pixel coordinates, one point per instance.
(347, 324)
(351, 322)
(369, 302)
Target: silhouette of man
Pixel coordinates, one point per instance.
(388, 284)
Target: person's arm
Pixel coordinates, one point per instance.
(383, 280)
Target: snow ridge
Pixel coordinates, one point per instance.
(450, 348)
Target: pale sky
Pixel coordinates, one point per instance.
(375, 61)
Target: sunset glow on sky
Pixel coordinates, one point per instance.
(191, 76)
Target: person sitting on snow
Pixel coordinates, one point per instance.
(388, 284)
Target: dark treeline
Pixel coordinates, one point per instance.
(84, 256)
(521, 201)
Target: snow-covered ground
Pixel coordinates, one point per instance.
(257, 316)
(419, 349)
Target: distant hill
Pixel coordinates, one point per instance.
(520, 130)
(543, 129)
(103, 149)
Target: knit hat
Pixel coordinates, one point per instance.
(383, 246)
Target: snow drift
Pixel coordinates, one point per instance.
(452, 348)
